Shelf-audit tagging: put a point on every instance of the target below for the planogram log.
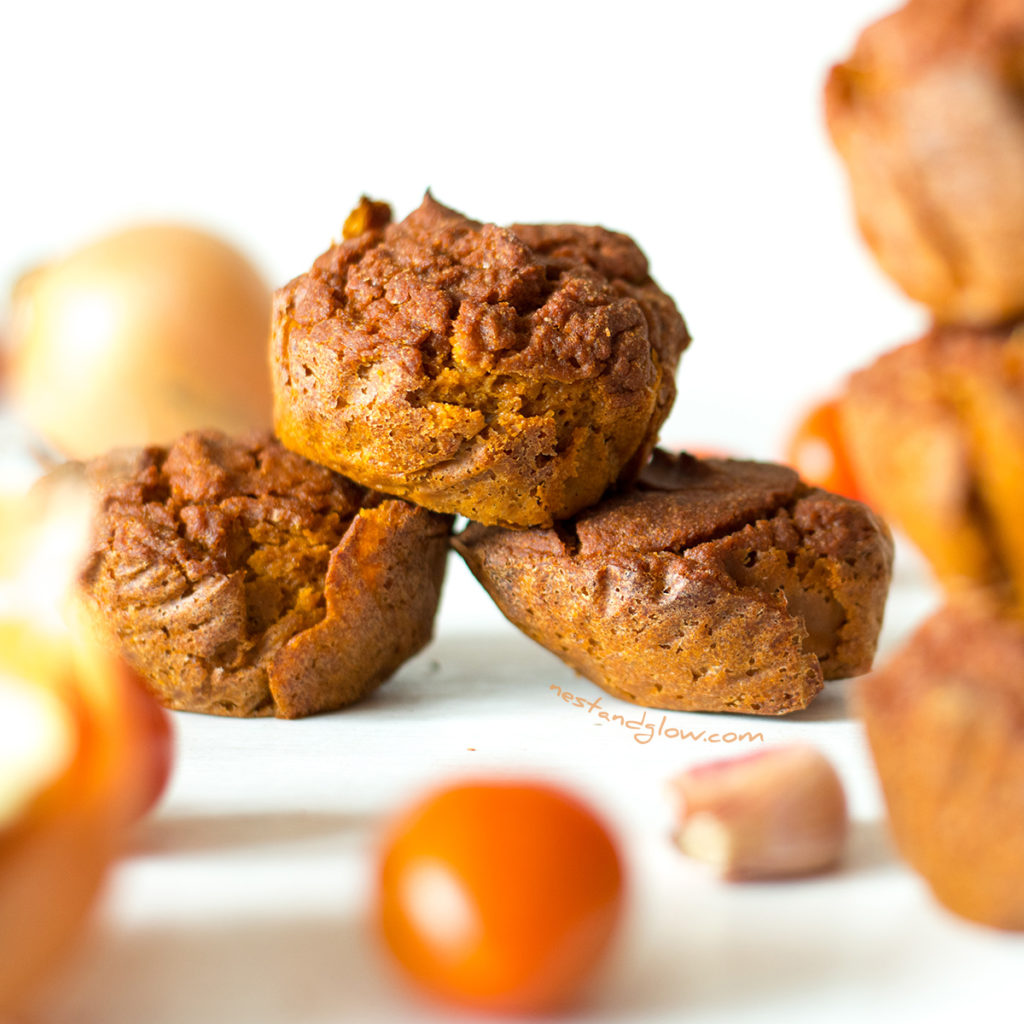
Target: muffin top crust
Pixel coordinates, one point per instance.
(567, 302)
(211, 506)
(510, 375)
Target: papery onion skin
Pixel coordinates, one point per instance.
(138, 337)
(56, 850)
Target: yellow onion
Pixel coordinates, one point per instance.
(139, 337)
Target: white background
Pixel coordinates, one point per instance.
(696, 127)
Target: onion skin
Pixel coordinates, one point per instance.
(54, 858)
(139, 337)
(56, 852)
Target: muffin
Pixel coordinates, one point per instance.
(240, 579)
(928, 115)
(507, 374)
(935, 431)
(945, 721)
(715, 585)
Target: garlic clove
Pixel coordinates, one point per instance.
(774, 814)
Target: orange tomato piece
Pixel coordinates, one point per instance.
(500, 895)
(817, 451)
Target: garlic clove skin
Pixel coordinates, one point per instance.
(779, 813)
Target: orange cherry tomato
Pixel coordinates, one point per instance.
(817, 451)
(500, 895)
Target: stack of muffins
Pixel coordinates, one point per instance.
(518, 377)
(928, 114)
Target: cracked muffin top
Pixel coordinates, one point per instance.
(681, 504)
(211, 506)
(508, 374)
(686, 501)
(713, 585)
(239, 578)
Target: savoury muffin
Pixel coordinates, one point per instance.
(928, 115)
(935, 431)
(945, 721)
(715, 585)
(507, 374)
(240, 579)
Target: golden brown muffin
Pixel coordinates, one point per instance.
(716, 585)
(507, 374)
(928, 115)
(945, 720)
(240, 579)
(935, 431)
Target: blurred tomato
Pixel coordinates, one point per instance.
(154, 744)
(500, 895)
(138, 742)
(59, 829)
(816, 450)
(131, 732)
(106, 747)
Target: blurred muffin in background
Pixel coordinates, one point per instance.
(935, 432)
(945, 721)
(928, 115)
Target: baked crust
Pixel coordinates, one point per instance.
(716, 585)
(945, 721)
(507, 374)
(935, 431)
(240, 579)
(926, 114)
